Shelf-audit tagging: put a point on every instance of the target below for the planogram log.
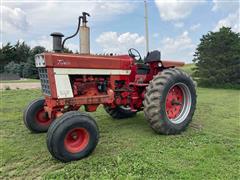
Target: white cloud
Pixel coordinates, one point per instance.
(179, 24)
(46, 41)
(112, 42)
(42, 18)
(232, 20)
(175, 9)
(178, 48)
(105, 9)
(195, 27)
(220, 5)
(72, 46)
(14, 20)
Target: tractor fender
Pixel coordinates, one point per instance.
(168, 64)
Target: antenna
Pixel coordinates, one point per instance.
(146, 26)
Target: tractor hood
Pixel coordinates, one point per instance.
(65, 60)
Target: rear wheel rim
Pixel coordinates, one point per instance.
(42, 118)
(76, 140)
(178, 103)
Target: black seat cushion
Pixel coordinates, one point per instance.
(153, 56)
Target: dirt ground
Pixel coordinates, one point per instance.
(29, 85)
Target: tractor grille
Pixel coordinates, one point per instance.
(42, 72)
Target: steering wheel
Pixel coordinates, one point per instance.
(134, 54)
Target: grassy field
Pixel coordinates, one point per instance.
(188, 68)
(20, 81)
(129, 149)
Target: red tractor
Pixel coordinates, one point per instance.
(123, 84)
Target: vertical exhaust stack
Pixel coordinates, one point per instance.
(84, 34)
(57, 41)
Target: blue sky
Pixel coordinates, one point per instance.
(175, 27)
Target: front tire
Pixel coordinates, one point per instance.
(72, 136)
(35, 118)
(170, 101)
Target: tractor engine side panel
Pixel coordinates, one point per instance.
(65, 80)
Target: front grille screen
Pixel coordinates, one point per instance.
(44, 81)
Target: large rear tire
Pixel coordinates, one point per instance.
(170, 101)
(72, 136)
(35, 118)
(119, 112)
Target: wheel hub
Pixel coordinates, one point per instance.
(74, 136)
(174, 102)
(76, 140)
(42, 118)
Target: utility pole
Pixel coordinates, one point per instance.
(146, 26)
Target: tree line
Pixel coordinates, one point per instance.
(19, 59)
(217, 59)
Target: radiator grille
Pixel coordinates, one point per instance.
(44, 81)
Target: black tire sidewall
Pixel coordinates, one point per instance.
(61, 132)
(126, 113)
(119, 112)
(30, 116)
(170, 83)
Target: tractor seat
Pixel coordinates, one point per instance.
(153, 56)
(143, 68)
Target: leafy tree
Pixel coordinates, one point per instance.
(217, 58)
(67, 50)
(17, 53)
(13, 68)
(37, 50)
(20, 59)
(21, 52)
(29, 68)
(6, 55)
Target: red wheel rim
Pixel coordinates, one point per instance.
(76, 140)
(174, 102)
(42, 118)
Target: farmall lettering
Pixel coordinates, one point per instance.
(63, 62)
(123, 84)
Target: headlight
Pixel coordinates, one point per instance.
(40, 61)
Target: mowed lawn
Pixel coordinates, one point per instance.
(129, 149)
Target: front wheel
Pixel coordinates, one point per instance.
(72, 136)
(170, 101)
(35, 118)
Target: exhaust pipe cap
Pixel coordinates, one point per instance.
(57, 41)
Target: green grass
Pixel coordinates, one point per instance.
(20, 81)
(129, 149)
(188, 68)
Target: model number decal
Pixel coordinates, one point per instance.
(62, 62)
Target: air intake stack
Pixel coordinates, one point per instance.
(84, 34)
